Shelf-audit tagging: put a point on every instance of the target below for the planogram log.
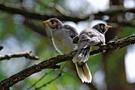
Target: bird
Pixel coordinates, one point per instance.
(62, 35)
(94, 36)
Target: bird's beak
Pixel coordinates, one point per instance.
(47, 22)
(108, 26)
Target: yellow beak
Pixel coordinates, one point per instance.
(108, 26)
(47, 22)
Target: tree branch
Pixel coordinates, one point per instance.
(115, 10)
(33, 15)
(112, 45)
(16, 55)
(34, 27)
(51, 63)
(41, 30)
(122, 23)
(63, 17)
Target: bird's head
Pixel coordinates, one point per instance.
(53, 23)
(102, 28)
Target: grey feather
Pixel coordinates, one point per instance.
(87, 38)
(83, 72)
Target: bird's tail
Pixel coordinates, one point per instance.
(83, 72)
(81, 66)
(82, 55)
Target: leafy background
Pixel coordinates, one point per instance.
(16, 35)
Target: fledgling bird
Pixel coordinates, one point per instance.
(87, 38)
(62, 35)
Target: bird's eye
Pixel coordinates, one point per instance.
(54, 23)
(102, 27)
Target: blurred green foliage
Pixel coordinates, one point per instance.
(16, 37)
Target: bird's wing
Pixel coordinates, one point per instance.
(71, 31)
(101, 37)
(91, 37)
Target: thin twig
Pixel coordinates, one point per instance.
(45, 84)
(49, 82)
(16, 55)
(40, 79)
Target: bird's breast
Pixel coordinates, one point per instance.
(63, 42)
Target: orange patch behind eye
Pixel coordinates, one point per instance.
(55, 23)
